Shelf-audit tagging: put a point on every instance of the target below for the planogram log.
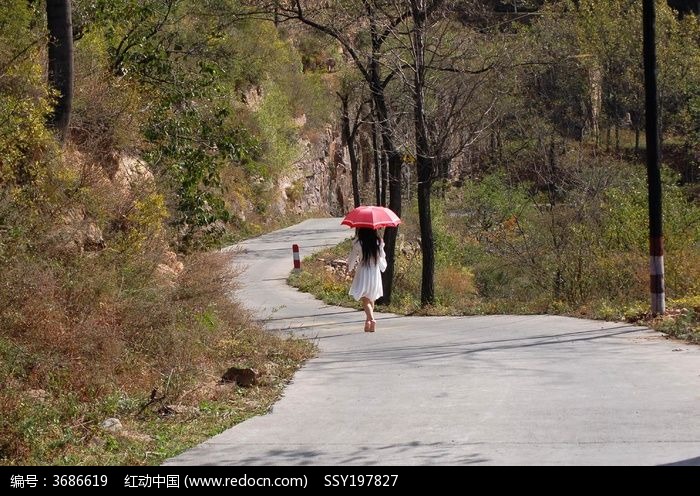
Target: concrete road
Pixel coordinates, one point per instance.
(458, 390)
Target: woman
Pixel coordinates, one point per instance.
(368, 256)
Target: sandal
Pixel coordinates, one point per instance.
(372, 325)
(368, 325)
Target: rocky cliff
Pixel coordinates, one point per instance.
(320, 181)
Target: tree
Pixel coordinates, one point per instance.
(349, 134)
(434, 64)
(60, 62)
(344, 21)
(425, 164)
(380, 169)
(609, 38)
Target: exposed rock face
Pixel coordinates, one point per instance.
(130, 172)
(75, 233)
(168, 271)
(320, 180)
(253, 98)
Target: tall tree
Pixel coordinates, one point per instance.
(342, 20)
(424, 156)
(60, 62)
(450, 80)
(349, 134)
(377, 155)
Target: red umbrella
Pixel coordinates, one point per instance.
(371, 217)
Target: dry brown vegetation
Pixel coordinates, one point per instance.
(97, 314)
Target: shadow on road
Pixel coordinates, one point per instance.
(689, 462)
(423, 352)
(436, 453)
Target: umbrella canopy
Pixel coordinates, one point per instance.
(371, 217)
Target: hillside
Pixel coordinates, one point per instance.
(139, 137)
(189, 128)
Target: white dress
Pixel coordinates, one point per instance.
(368, 279)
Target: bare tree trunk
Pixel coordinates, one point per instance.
(377, 159)
(427, 242)
(393, 178)
(60, 63)
(370, 70)
(394, 160)
(349, 138)
(385, 178)
(424, 158)
(366, 164)
(390, 234)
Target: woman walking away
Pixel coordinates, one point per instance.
(367, 256)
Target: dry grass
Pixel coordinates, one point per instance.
(87, 334)
(88, 362)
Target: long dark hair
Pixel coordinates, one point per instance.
(369, 240)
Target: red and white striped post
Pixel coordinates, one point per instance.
(295, 253)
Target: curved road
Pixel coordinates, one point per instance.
(458, 390)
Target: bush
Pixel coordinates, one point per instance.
(89, 329)
(108, 111)
(588, 244)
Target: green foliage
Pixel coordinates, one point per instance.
(273, 120)
(583, 68)
(24, 98)
(555, 75)
(589, 246)
(96, 310)
(683, 323)
(108, 112)
(317, 54)
(192, 147)
(189, 74)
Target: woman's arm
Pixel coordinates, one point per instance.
(381, 262)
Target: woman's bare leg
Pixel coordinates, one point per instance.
(373, 323)
(368, 307)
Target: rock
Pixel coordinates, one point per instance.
(242, 377)
(37, 394)
(182, 410)
(97, 442)
(253, 98)
(130, 172)
(299, 121)
(323, 172)
(165, 275)
(168, 271)
(75, 233)
(136, 436)
(112, 425)
(92, 237)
